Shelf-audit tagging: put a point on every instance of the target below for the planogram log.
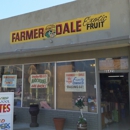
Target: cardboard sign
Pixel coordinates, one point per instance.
(9, 81)
(75, 82)
(39, 81)
(6, 110)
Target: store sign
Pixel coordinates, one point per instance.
(71, 27)
(9, 81)
(75, 81)
(6, 110)
(39, 81)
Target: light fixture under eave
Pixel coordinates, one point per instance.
(116, 76)
(92, 65)
(121, 75)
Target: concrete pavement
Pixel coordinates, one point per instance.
(25, 126)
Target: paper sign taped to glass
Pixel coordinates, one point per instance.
(9, 81)
(39, 81)
(75, 81)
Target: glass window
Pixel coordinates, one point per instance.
(11, 81)
(75, 79)
(39, 85)
(111, 64)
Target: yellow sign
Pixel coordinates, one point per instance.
(71, 27)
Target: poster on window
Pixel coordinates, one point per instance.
(38, 81)
(9, 81)
(6, 110)
(75, 82)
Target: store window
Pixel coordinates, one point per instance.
(75, 79)
(38, 85)
(11, 81)
(112, 64)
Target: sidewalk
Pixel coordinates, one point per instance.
(25, 126)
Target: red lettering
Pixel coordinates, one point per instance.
(70, 74)
(22, 36)
(66, 28)
(29, 35)
(41, 32)
(8, 108)
(78, 26)
(1, 108)
(40, 86)
(35, 33)
(17, 37)
(4, 108)
(13, 37)
(58, 29)
(72, 27)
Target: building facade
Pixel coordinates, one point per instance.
(61, 45)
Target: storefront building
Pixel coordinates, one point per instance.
(80, 41)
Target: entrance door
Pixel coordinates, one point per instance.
(114, 101)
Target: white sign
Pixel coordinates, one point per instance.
(75, 81)
(6, 110)
(9, 81)
(39, 81)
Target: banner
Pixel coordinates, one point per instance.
(39, 81)
(66, 28)
(75, 81)
(6, 110)
(9, 81)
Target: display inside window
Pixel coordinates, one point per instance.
(11, 81)
(39, 85)
(114, 97)
(74, 79)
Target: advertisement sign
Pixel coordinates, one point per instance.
(6, 110)
(9, 81)
(66, 28)
(75, 81)
(38, 81)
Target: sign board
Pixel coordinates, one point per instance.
(9, 81)
(6, 110)
(71, 27)
(75, 81)
(38, 81)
